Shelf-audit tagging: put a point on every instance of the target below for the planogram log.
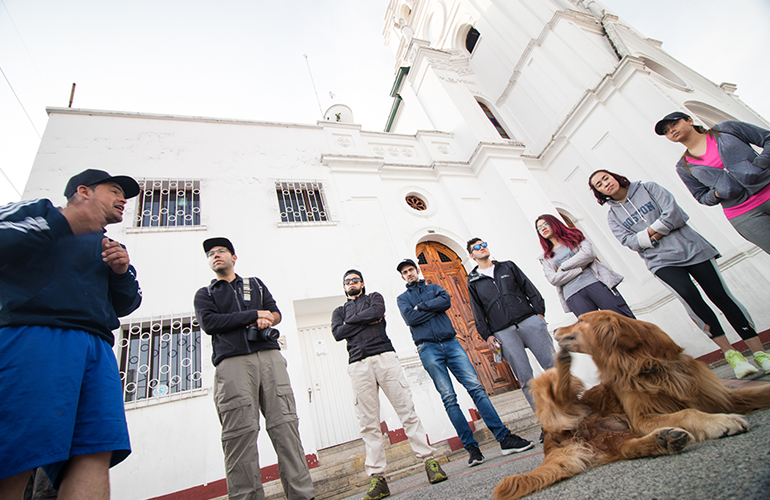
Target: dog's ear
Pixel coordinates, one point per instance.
(614, 332)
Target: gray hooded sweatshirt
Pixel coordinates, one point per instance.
(651, 205)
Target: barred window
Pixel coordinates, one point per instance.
(301, 201)
(168, 203)
(160, 357)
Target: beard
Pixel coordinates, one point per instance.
(354, 292)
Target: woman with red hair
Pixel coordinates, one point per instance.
(583, 283)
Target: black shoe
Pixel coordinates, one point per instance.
(515, 444)
(542, 435)
(476, 457)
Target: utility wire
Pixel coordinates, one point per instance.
(25, 48)
(20, 103)
(10, 182)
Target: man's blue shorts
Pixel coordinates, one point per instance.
(60, 395)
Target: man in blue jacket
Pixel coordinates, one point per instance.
(423, 307)
(63, 285)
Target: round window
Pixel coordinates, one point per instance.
(416, 202)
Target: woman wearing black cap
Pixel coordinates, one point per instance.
(720, 166)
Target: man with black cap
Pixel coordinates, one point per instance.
(250, 376)
(423, 307)
(374, 365)
(63, 286)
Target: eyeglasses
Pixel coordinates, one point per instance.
(479, 246)
(352, 281)
(220, 251)
(542, 226)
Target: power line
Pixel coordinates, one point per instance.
(10, 182)
(25, 47)
(313, 82)
(20, 103)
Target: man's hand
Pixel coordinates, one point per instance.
(115, 256)
(265, 319)
(375, 322)
(541, 317)
(491, 343)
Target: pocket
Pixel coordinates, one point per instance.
(728, 187)
(286, 397)
(236, 416)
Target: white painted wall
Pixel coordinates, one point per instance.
(556, 85)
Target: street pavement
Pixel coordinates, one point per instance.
(736, 467)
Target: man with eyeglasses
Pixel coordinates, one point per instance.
(508, 310)
(374, 365)
(424, 309)
(250, 376)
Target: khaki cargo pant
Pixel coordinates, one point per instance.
(244, 385)
(368, 376)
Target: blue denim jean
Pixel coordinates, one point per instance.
(439, 358)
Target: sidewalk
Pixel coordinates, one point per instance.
(736, 467)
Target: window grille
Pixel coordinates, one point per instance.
(168, 203)
(421, 259)
(416, 202)
(443, 258)
(160, 357)
(301, 201)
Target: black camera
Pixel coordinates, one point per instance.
(253, 334)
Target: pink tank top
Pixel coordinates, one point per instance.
(712, 159)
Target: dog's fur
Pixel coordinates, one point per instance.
(652, 400)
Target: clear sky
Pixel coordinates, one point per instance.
(244, 59)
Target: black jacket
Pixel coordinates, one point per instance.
(353, 320)
(221, 314)
(508, 299)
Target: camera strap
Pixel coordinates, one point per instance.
(246, 292)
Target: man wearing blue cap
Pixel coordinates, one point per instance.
(63, 285)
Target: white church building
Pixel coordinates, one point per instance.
(501, 110)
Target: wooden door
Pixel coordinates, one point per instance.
(442, 266)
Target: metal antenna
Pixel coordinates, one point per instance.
(313, 82)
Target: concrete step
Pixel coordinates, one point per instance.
(341, 468)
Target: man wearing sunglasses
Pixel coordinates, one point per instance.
(507, 308)
(423, 307)
(250, 376)
(373, 365)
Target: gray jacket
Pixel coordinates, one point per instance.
(651, 205)
(745, 172)
(573, 267)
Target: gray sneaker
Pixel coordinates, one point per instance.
(435, 473)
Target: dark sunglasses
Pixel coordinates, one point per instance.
(479, 246)
(353, 281)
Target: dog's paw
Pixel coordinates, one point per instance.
(564, 356)
(733, 424)
(673, 439)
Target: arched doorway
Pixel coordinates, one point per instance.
(442, 266)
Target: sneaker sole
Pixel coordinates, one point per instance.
(438, 478)
(475, 463)
(508, 451)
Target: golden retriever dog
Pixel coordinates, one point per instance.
(652, 399)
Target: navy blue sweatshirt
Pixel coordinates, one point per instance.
(51, 277)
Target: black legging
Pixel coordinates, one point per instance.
(708, 278)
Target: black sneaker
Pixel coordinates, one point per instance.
(378, 489)
(515, 444)
(476, 457)
(542, 435)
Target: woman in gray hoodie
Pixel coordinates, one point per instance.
(646, 218)
(719, 166)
